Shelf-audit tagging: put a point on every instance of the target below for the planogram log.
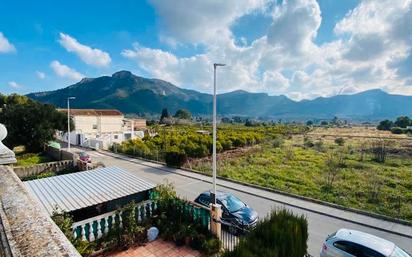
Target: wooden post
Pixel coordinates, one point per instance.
(215, 215)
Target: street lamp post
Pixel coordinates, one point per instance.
(215, 65)
(68, 121)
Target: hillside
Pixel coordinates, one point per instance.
(137, 95)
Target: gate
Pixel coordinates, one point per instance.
(230, 235)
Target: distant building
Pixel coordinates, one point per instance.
(100, 128)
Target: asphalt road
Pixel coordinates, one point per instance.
(321, 219)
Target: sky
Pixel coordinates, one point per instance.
(300, 48)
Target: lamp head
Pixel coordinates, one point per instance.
(71, 97)
(218, 64)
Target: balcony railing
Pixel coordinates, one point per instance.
(99, 226)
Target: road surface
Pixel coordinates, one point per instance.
(323, 220)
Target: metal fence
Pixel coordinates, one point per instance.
(230, 235)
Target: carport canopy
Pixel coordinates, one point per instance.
(79, 190)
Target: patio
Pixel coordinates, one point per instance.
(156, 248)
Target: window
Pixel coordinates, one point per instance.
(116, 136)
(232, 203)
(398, 252)
(367, 252)
(204, 200)
(347, 247)
(94, 126)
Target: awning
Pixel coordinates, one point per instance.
(78, 190)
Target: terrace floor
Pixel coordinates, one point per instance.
(158, 248)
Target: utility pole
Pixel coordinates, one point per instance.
(215, 65)
(68, 121)
(215, 209)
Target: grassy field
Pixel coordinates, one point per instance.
(299, 167)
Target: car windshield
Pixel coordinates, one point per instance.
(232, 203)
(398, 252)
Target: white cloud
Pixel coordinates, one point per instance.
(65, 71)
(5, 45)
(14, 85)
(91, 56)
(295, 25)
(40, 75)
(372, 49)
(199, 21)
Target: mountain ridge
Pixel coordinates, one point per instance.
(133, 94)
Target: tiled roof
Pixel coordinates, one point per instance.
(93, 112)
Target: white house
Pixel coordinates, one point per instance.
(99, 128)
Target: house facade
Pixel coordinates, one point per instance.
(100, 128)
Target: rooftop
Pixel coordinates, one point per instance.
(93, 112)
(79, 190)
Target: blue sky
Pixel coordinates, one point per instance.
(300, 48)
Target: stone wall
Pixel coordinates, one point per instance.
(27, 230)
(25, 171)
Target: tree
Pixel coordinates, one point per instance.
(403, 121)
(165, 114)
(324, 123)
(183, 114)
(309, 123)
(333, 166)
(30, 123)
(385, 125)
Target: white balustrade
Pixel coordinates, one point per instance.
(120, 220)
(106, 225)
(84, 233)
(144, 210)
(139, 218)
(113, 220)
(74, 233)
(99, 229)
(91, 234)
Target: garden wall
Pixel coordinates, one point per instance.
(25, 227)
(25, 171)
(58, 154)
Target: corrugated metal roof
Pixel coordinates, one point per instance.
(87, 188)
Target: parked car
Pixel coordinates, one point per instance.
(83, 156)
(235, 214)
(352, 243)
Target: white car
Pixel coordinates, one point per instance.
(352, 243)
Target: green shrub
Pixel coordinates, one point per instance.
(282, 234)
(277, 142)
(175, 158)
(397, 130)
(211, 246)
(340, 141)
(307, 142)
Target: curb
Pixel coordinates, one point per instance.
(365, 213)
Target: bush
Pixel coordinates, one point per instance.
(396, 130)
(308, 142)
(282, 234)
(175, 158)
(340, 141)
(277, 142)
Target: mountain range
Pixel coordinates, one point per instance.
(132, 94)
